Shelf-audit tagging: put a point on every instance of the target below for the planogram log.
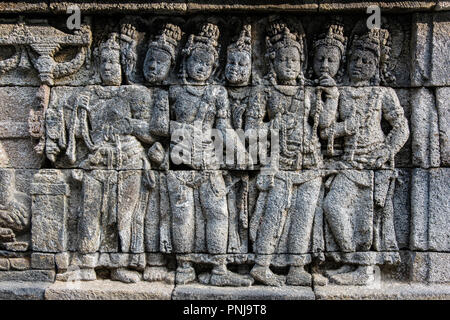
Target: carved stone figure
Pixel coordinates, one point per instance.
(111, 122)
(237, 75)
(200, 106)
(15, 212)
(358, 206)
(159, 60)
(288, 197)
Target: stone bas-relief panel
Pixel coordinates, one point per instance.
(126, 128)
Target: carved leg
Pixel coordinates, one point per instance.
(127, 207)
(301, 228)
(267, 236)
(337, 209)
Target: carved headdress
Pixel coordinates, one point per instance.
(333, 37)
(279, 36)
(244, 42)
(167, 40)
(112, 43)
(377, 41)
(206, 40)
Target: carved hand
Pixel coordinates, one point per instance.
(326, 80)
(83, 101)
(128, 33)
(351, 125)
(51, 150)
(382, 156)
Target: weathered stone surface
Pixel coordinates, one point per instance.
(201, 292)
(443, 109)
(108, 290)
(4, 264)
(439, 207)
(20, 263)
(17, 290)
(386, 291)
(17, 147)
(421, 39)
(43, 261)
(430, 267)
(440, 48)
(28, 275)
(49, 206)
(429, 208)
(62, 260)
(340, 5)
(424, 128)
(115, 140)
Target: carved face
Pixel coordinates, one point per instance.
(326, 60)
(156, 65)
(238, 67)
(199, 65)
(362, 65)
(110, 70)
(287, 64)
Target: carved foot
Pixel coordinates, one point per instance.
(77, 275)
(125, 275)
(267, 277)
(362, 276)
(7, 235)
(154, 273)
(297, 276)
(185, 275)
(344, 269)
(230, 279)
(319, 280)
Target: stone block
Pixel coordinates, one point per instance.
(443, 109)
(439, 209)
(28, 275)
(429, 210)
(421, 38)
(424, 130)
(202, 292)
(440, 49)
(16, 145)
(385, 291)
(62, 260)
(419, 210)
(11, 290)
(49, 212)
(4, 264)
(439, 267)
(20, 263)
(43, 261)
(108, 290)
(430, 267)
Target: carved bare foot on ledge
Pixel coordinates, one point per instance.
(362, 276)
(297, 276)
(125, 275)
(156, 273)
(266, 276)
